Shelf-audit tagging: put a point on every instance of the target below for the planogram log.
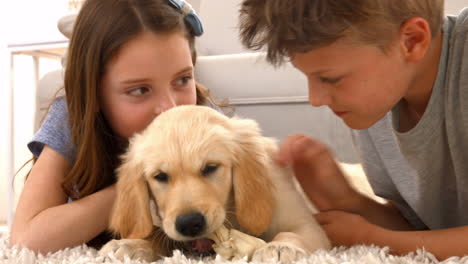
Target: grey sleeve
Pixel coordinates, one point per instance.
(54, 132)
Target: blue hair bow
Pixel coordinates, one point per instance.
(190, 16)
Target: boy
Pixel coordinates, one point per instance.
(396, 72)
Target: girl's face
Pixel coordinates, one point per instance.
(150, 74)
(359, 83)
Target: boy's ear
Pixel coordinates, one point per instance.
(415, 38)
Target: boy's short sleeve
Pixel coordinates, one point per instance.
(54, 132)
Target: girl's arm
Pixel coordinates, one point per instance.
(44, 221)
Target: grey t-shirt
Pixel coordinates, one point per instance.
(54, 132)
(424, 171)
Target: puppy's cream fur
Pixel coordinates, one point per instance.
(246, 190)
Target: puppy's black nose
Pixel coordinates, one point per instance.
(191, 224)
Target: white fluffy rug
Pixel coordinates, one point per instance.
(83, 254)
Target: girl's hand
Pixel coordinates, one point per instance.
(346, 229)
(317, 172)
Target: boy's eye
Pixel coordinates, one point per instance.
(330, 80)
(138, 91)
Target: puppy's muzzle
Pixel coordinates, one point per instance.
(191, 225)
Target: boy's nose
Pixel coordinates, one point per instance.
(318, 95)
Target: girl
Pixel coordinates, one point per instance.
(128, 61)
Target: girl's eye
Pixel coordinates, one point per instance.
(138, 91)
(162, 177)
(330, 80)
(183, 80)
(209, 169)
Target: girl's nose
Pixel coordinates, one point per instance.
(163, 103)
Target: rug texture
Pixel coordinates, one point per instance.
(354, 255)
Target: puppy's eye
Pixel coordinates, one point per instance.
(162, 177)
(209, 169)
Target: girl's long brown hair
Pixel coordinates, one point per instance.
(101, 28)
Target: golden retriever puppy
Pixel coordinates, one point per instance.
(192, 171)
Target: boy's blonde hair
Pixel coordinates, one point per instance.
(289, 26)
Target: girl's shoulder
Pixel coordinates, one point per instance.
(54, 132)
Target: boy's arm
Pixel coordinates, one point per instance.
(326, 186)
(347, 229)
(385, 215)
(443, 243)
(44, 221)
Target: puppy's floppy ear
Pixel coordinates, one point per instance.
(253, 188)
(131, 216)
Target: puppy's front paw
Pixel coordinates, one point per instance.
(283, 252)
(133, 248)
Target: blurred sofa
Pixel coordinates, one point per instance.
(275, 97)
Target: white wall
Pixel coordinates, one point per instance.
(20, 25)
(4, 111)
(195, 4)
(454, 6)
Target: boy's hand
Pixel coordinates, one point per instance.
(317, 172)
(346, 229)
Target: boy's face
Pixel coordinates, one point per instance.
(358, 82)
